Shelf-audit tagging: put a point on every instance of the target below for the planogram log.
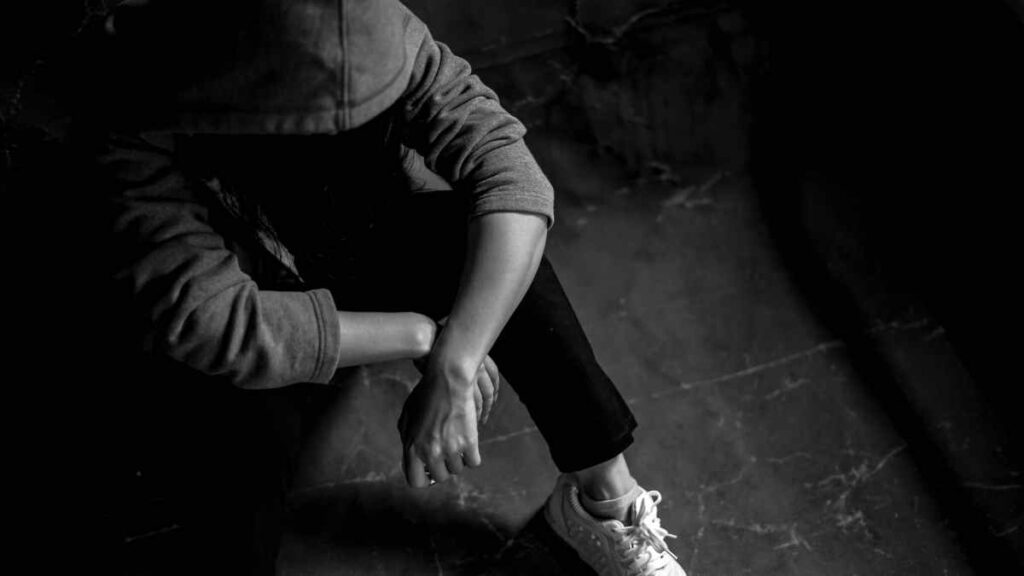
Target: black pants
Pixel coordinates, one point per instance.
(232, 449)
(409, 257)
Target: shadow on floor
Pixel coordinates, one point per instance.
(347, 529)
(891, 166)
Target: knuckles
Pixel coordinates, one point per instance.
(426, 450)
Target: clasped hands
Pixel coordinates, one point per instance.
(439, 420)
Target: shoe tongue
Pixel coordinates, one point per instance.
(632, 512)
(637, 497)
(630, 520)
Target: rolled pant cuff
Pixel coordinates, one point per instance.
(581, 457)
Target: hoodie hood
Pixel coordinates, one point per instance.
(259, 66)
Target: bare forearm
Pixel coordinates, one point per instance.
(503, 254)
(504, 250)
(368, 337)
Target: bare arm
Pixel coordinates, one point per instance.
(368, 337)
(504, 251)
(457, 124)
(439, 421)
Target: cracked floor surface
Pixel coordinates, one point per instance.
(771, 453)
(774, 450)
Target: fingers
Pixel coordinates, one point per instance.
(471, 456)
(486, 391)
(420, 474)
(415, 472)
(438, 427)
(424, 472)
(491, 371)
(438, 468)
(478, 401)
(454, 463)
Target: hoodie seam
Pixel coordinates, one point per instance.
(318, 360)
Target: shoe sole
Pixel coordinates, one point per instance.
(558, 527)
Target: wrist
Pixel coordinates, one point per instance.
(423, 333)
(458, 370)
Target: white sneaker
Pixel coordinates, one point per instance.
(610, 547)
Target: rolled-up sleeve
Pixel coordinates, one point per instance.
(459, 127)
(187, 296)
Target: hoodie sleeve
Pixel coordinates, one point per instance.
(186, 292)
(457, 124)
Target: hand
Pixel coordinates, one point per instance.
(438, 426)
(488, 381)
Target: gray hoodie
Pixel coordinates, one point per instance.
(275, 67)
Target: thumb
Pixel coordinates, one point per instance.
(472, 455)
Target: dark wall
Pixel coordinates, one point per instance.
(886, 154)
(648, 81)
(900, 124)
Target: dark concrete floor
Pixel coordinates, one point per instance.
(783, 443)
(771, 451)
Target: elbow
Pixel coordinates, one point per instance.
(256, 380)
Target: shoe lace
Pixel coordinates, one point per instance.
(643, 543)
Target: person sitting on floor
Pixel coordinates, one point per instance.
(298, 186)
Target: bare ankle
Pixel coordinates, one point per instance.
(607, 480)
